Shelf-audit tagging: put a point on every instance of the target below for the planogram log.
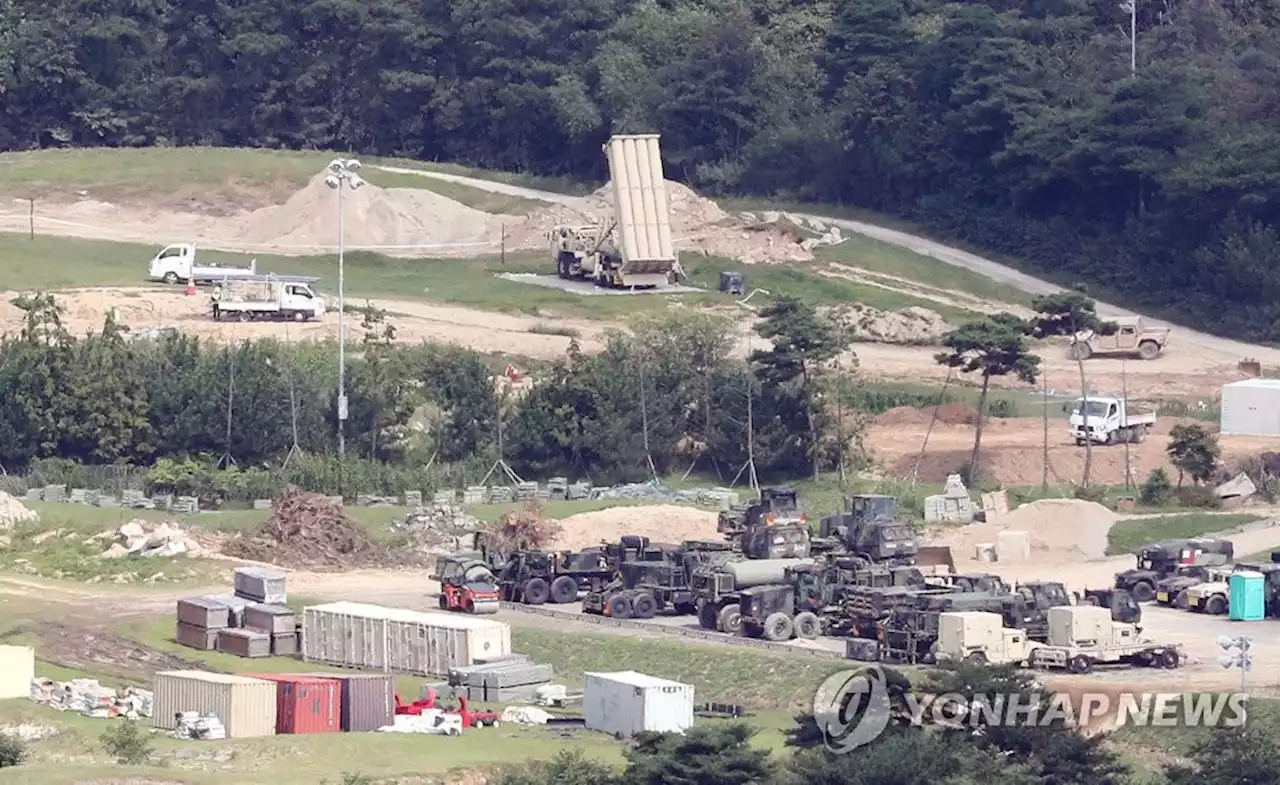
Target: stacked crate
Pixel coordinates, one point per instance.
(266, 614)
(251, 622)
(200, 620)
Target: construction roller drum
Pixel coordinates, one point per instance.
(486, 607)
(758, 572)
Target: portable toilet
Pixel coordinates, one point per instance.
(1246, 596)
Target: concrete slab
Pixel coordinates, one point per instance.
(590, 289)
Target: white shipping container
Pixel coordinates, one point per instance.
(394, 639)
(17, 669)
(1251, 408)
(626, 703)
(246, 706)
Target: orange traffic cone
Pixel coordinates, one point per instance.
(191, 286)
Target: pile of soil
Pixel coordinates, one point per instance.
(948, 414)
(669, 523)
(913, 326)
(307, 530)
(13, 511)
(1061, 530)
(901, 415)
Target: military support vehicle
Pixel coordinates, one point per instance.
(1171, 590)
(717, 589)
(643, 588)
(536, 577)
(869, 530)
(980, 637)
(1081, 637)
(1159, 559)
(771, 527)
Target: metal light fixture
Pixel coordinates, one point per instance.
(342, 176)
(1236, 655)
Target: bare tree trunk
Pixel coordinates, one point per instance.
(974, 472)
(1084, 419)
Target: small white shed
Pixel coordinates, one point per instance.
(626, 703)
(1251, 408)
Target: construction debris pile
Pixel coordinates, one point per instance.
(193, 725)
(442, 527)
(252, 622)
(13, 511)
(911, 326)
(308, 530)
(88, 697)
(145, 538)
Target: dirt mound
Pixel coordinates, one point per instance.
(954, 414)
(689, 211)
(307, 530)
(947, 413)
(1061, 530)
(12, 511)
(901, 415)
(659, 522)
(913, 326)
(374, 217)
(98, 651)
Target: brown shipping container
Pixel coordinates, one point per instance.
(368, 700)
(204, 612)
(245, 643)
(247, 707)
(271, 619)
(196, 637)
(284, 645)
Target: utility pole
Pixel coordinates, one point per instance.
(1131, 7)
(1124, 397)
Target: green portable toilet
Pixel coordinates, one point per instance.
(1246, 596)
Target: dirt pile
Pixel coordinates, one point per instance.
(913, 326)
(374, 217)
(13, 511)
(659, 522)
(689, 212)
(1061, 530)
(308, 530)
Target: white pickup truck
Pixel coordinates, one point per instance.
(177, 264)
(1110, 422)
(247, 300)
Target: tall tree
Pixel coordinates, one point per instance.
(994, 346)
(1194, 451)
(1070, 314)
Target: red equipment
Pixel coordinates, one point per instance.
(470, 719)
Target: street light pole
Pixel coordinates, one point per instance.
(1238, 654)
(342, 175)
(1132, 7)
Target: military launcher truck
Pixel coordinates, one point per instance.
(1159, 559)
(635, 248)
(869, 530)
(644, 587)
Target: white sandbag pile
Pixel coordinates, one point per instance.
(194, 725)
(88, 697)
(13, 511)
(148, 538)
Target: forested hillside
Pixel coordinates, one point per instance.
(1017, 126)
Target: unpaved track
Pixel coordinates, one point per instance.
(935, 250)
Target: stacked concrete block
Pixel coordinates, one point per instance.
(500, 494)
(186, 505)
(34, 495)
(162, 501)
(413, 498)
(507, 680)
(55, 493)
(527, 491)
(261, 504)
(475, 494)
(77, 495)
(445, 497)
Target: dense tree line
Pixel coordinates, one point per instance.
(657, 398)
(1017, 126)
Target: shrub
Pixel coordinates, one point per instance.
(1157, 491)
(127, 742)
(1200, 496)
(13, 750)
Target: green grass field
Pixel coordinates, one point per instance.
(1128, 536)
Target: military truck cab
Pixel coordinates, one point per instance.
(1159, 559)
(870, 530)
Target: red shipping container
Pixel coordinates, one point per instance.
(305, 704)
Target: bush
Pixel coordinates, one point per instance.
(1200, 496)
(1002, 408)
(1157, 491)
(127, 742)
(13, 750)
(1092, 493)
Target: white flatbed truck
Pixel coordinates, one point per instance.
(177, 264)
(1084, 636)
(1111, 421)
(248, 300)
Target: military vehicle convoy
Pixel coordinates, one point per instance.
(1159, 560)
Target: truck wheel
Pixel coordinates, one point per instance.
(536, 591)
(245, 316)
(170, 278)
(707, 616)
(619, 606)
(644, 606)
(1148, 350)
(444, 601)
(976, 658)
(1169, 659)
(729, 620)
(1140, 434)
(1143, 592)
(1180, 602)
(299, 316)
(564, 590)
(778, 627)
(1216, 606)
(808, 625)
(1080, 664)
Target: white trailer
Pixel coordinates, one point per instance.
(1083, 636)
(177, 264)
(1111, 421)
(265, 299)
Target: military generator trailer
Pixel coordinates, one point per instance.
(1160, 559)
(644, 588)
(717, 589)
(1082, 637)
(910, 632)
(538, 577)
(980, 637)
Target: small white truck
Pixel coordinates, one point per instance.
(1083, 636)
(177, 264)
(265, 299)
(981, 637)
(1111, 421)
